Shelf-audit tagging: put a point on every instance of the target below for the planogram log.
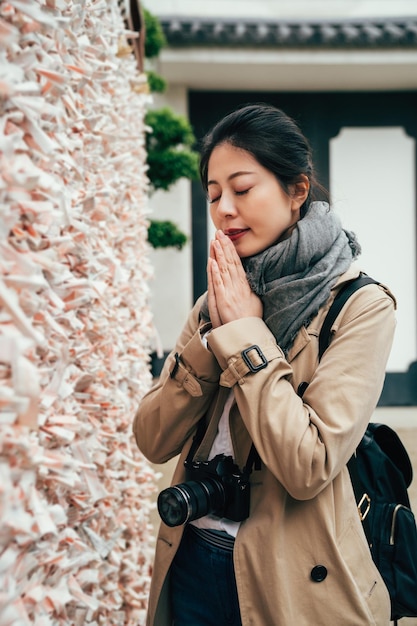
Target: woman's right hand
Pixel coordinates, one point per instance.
(230, 296)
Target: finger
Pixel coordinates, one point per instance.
(226, 260)
(219, 276)
(230, 255)
(233, 302)
(227, 246)
(211, 295)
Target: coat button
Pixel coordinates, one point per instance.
(318, 573)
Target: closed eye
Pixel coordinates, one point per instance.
(236, 192)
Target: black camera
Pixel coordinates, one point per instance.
(217, 486)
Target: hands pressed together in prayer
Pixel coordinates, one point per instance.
(229, 294)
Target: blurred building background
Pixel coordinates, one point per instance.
(346, 70)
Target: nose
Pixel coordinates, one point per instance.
(226, 206)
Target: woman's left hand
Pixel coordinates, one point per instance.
(229, 294)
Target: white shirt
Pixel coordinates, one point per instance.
(222, 444)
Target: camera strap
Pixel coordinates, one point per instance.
(253, 460)
(197, 439)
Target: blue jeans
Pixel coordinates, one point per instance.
(203, 585)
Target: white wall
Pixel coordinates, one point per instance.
(171, 287)
(258, 69)
(306, 9)
(372, 174)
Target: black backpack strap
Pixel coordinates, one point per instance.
(340, 300)
(363, 501)
(338, 303)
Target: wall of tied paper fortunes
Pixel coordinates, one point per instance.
(75, 538)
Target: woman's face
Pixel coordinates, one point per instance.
(247, 202)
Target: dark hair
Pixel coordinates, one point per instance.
(273, 139)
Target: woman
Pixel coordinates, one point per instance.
(248, 352)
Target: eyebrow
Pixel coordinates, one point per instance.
(231, 177)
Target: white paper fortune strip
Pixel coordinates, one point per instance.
(75, 326)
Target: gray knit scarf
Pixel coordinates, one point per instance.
(294, 277)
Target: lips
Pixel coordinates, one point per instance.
(235, 233)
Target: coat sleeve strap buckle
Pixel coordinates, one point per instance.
(254, 358)
(251, 359)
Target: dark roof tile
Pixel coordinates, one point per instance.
(343, 33)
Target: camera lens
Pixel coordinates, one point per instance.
(191, 500)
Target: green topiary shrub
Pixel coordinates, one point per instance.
(155, 38)
(165, 234)
(156, 83)
(168, 146)
(168, 129)
(168, 143)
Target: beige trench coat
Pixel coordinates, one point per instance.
(303, 512)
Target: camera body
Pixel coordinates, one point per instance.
(235, 485)
(217, 487)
